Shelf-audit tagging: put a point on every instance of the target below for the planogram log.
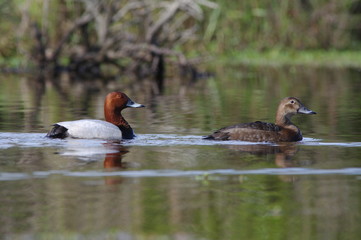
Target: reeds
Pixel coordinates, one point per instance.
(302, 24)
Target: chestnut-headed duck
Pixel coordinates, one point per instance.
(282, 131)
(115, 126)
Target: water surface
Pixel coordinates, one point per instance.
(169, 183)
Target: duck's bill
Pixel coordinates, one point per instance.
(132, 104)
(305, 110)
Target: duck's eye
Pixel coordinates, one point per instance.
(292, 101)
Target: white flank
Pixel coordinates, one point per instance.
(91, 128)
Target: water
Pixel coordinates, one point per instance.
(169, 183)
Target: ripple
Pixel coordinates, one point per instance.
(174, 139)
(6, 176)
(317, 142)
(32, 140)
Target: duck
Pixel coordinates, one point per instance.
(283, 130)
(114, 127)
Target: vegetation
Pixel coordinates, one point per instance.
(126, 33)
(301, 24)
(281, 57)
(83, 36)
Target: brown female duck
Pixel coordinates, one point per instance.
(282, 131)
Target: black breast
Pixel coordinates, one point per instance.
(127, 132)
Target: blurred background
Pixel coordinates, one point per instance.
(219, 62)
(197, 65)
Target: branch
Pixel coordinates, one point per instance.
(167, 15)
(129, 49)
(86, 18)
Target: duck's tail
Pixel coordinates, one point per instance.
(209, 137)
(57, 131)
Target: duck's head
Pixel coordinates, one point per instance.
(119, 101)
(290, 106)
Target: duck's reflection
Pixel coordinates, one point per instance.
(284, 155)
(114, 162)
(283, 152)
(91, 152)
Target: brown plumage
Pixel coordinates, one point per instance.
(282, 131)
(114, 103)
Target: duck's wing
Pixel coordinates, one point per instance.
(254, 131)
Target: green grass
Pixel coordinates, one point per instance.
(272, 57)
(276, 57)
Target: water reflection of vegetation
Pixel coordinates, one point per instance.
(234, 95)
(218, 207)
(247, 207)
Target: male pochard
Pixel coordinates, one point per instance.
(282, 131)
(115, 126)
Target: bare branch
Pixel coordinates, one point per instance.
(86, 18)
(165, 17)
(144, 31)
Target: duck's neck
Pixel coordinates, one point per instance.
(284, 121)
(117, 119)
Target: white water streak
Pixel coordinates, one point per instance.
(6, 176)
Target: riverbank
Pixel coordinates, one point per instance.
(250, 57)
(277, 57)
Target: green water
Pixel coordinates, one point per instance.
(169, 183)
